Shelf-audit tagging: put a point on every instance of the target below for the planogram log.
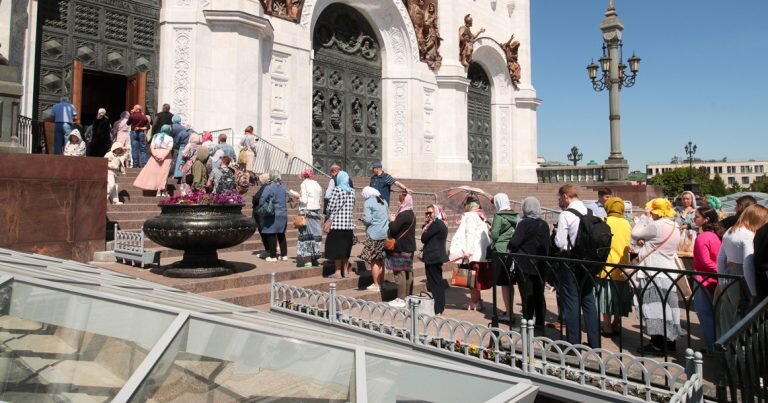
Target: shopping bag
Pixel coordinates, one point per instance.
(464, 276)
(425, 301)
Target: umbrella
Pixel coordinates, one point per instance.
(453, 199)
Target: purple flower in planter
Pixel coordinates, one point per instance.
(202, 198)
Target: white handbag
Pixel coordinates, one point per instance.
(425, 301)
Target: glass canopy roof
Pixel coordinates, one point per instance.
(76, 332)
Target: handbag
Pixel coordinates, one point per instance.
(682, 279)
(425, 301)
(464, 276)
(327, 225)
(267, 208)
(299, 221)
(399, 261)
(391, 243)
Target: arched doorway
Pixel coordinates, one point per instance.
(346, 92)
(479, 124)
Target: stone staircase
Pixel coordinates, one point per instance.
(250, 287)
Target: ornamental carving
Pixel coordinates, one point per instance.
(351, 44)
(511, 48)
(467, 41)
(286, 9)
(425, 22)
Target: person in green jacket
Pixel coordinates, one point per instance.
(199, 171)
(503, 227)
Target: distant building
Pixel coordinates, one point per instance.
(732, 172)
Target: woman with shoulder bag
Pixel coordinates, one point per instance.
(376, 221)
(402, 229)
(311, 233)
(503, 227)
(470, 243)
(274, 225)
(434, 234)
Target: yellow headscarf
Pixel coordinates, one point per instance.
(661, 207)
(615, 207)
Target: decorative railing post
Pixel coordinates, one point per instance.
(414, 307)
(526, 337)
(332, 303)
(272, 290)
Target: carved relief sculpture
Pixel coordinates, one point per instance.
(286, 9)
(336, 110)
(318, 108)
(373, 117)
(424, 18)
(511, 47)
(357, 114)
(467, 41)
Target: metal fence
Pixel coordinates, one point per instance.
(743, 355)
(30, 134)
(547, 360)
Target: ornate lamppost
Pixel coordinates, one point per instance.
(614, 77)
(690, 149)
(575, 156)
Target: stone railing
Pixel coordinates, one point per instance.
(583, 174)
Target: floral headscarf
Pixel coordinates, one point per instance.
(661, 207)
(615, 207)
(308, 173)
(207, 136)
(439, 213)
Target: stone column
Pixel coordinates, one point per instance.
(10, 100)
(451, 136)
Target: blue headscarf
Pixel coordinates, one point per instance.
(176, 119)
(342, 181)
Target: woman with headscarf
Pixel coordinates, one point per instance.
(658, 237)
(187, 158)
(121, 133)
(341, 209)
(208, 141)
(199, 170)
(469, 244)
(154, 175)
(504, 222)
(614, 293)
(263, 182)
(531, 238)
(376, 221)
(102, 139)
(75, 146)
(434, 235)
(248, 144)
(685, 212)
(402, 228)
(311, 234)
(180, 140)
(274, 225)
(115, 166)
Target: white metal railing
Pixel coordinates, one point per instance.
(636, 377)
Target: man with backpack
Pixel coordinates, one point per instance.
(576, 283)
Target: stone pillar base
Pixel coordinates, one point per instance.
(616, 170)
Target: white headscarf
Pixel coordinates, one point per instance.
(102, 112)
(501, 202)
(369, 192)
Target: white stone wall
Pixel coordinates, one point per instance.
(224, 63)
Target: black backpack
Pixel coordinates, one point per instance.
(593, 241)
(227, 181)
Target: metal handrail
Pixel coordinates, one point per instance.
(754, 315)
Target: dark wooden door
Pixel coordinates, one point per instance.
(74, 76)
(479, 124)
(346, 92)
(136, 91)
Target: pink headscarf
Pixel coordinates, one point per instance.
(207, 136)
(307, 173)
(406, 205)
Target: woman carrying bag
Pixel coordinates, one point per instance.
(402, 229)
(469, 244)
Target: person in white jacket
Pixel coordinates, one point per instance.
(470, 243)
(115, 166)
(311, 234)
(75, 145)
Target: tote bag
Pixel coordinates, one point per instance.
(425, 301)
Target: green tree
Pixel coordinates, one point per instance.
(760, 184)
(735, 188)
(718, 187)
(673, 182)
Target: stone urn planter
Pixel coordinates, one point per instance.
(199, 230)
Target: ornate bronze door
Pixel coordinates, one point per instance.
(479, 124)
(346, 92)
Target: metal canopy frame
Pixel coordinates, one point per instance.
(84, 280)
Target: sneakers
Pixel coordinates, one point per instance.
(308, 264)
(397, 303)
(271, 259)
(373, 288)
(283, 258)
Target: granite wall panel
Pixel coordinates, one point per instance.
(53, 205)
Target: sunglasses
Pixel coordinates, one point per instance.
(428, 213)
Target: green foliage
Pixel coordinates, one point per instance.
(735, 188)
(673, 182)
(760, 184)
(718, 187)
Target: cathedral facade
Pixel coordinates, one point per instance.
(433, 89)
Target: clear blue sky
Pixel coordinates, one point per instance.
(703, 76)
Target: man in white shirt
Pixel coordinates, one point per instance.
(576, 283)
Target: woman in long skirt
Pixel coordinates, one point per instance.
(310, 235)
(341, 208)
(154, 175)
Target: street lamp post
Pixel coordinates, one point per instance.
(690, 149)
(614, 77)
(575, 156)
